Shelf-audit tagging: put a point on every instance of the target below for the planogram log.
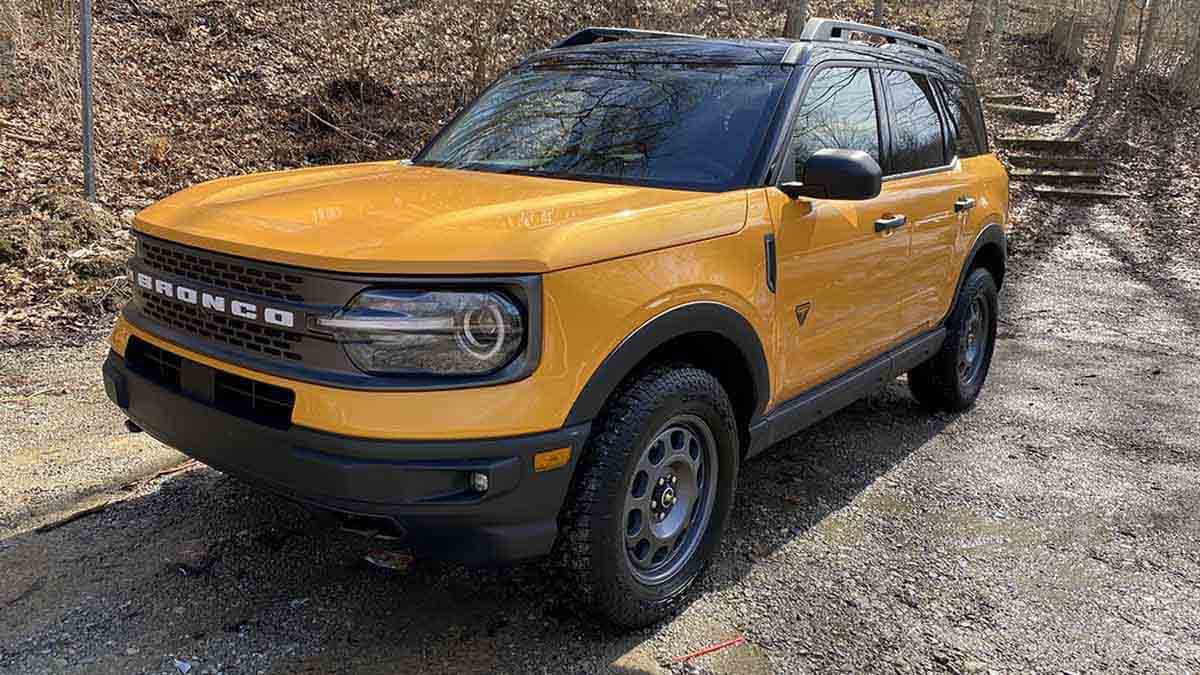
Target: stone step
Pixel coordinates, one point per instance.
(1003, 98)
(1056, 175)
(1050, 162)
(1023, 114)
(1057, 146)
(1079, 193)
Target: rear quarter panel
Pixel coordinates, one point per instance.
(992, 202)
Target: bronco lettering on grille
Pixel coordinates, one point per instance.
(216, 303)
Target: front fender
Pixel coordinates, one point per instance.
(692, 318)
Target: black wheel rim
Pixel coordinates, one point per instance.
(973, 341)
(669, 499)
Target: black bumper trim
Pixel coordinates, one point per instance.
(421, 486)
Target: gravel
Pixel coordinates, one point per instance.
(1052, 528)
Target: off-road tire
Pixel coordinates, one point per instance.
(591, 548)
(936, 383)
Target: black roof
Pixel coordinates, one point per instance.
(774, 51)
(671, 50)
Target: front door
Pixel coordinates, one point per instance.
(838, 271)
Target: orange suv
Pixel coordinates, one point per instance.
(634, 261)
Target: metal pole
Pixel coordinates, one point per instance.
(85, 84)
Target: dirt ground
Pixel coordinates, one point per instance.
(1052, 528)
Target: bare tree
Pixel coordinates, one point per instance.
(1187, 77)
(974, 38)
(489, 17)
(999, 21)
(633, 15)
(797, 14)
(1146, 45)
(1068, 31)
(1114, 47)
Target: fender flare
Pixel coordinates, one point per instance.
(702, 317)
(991, 234)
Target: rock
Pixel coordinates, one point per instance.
(72, 222)
(18, 241)
(103, 264)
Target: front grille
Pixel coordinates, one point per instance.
(205, 269)
(242, 397)
(231, 331)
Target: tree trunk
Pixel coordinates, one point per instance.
(633, 14)
(1066, 38)
(974, 38)
(487, 21)
(1146, 48)
(1114, 47)
(878, 12)
(797, 14)
(1190, 81)
(999, 18)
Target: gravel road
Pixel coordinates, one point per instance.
(1052, 528)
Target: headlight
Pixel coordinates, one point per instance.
(402, 332)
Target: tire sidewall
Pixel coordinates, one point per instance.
(610, 555)
(979, 284)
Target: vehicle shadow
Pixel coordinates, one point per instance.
(208, 566)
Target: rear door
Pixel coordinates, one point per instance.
(923, 179)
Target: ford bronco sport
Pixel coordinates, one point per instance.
(634, 261)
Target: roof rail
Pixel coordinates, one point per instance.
(832, 29)
(594, 34)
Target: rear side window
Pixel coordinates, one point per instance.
(966, 120)
(838, 112)
(916, 127)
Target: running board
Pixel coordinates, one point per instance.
(795, 415)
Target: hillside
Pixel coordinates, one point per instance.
(190, 91)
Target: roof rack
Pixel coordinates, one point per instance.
(832, 29)
(594, 34)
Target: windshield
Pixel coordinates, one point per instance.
(673, 125)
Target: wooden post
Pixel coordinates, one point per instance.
(85, 84)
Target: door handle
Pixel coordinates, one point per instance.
(890, 222)
(964, 204)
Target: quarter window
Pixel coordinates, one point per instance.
(966, 120)
(838, 112)
(916, 128)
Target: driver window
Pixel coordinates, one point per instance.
(838, 112)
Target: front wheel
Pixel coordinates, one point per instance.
(654, 489)
(952, 378)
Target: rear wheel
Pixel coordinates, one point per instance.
(654, 489)
(951, 379)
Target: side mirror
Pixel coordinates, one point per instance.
(838, 174)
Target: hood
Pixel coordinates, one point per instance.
(392, 218)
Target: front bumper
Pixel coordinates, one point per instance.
(423, 487)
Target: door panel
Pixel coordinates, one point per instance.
(835, 268)
(925, 182)
(933, 228)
